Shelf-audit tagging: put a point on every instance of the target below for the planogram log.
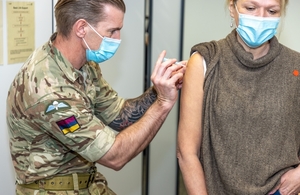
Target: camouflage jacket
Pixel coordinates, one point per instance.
(57, 116)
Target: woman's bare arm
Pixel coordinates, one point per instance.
(190, 127)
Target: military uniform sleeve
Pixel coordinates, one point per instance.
(108, 108)
(107, 103)
(73, 123)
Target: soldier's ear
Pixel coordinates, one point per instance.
(80, 28)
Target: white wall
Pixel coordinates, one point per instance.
(163, 162)
(7, 72)
(290, 29)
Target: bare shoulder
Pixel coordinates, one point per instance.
(195, 66)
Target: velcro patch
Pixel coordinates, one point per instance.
(68, 125)
(57, 106)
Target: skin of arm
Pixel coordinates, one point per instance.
(190, 127)
(136, 137)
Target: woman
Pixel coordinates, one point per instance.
(239, 118)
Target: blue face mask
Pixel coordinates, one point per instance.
(255, 30)
(107, 49)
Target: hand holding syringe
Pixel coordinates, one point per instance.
(181, 69)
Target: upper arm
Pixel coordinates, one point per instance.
(189, 132)
(106, 102)
(74, 126)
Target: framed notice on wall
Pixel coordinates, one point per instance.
(20, 30)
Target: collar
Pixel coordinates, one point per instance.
(66, 67)
(246, 58)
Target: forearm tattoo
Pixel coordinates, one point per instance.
(133, 110)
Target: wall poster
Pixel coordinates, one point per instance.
(20, 30)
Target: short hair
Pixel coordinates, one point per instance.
(67, 12)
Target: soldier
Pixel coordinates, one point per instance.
(63, 116)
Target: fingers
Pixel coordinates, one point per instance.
(180, 64)
(168, 71)
(165, 68)
(158, 62)
(167, 77)
(184, 62)
(289, 183)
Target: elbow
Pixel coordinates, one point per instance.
(116, 165)
(179, 156)
(186, 156)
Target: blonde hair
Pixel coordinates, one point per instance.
(283, 4)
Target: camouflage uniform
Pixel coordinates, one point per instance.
(57, 116)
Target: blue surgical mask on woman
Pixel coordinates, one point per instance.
(107, 48)
(255, 30)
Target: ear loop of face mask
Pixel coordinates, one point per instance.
(95, 32)
(107, 38)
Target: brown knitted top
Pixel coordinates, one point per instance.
(251, 125)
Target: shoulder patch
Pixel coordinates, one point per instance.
(56, 106)
(68, 125)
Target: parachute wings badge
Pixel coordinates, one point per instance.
(57, 106)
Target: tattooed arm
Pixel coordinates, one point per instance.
(146, 115)
(133, 110)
